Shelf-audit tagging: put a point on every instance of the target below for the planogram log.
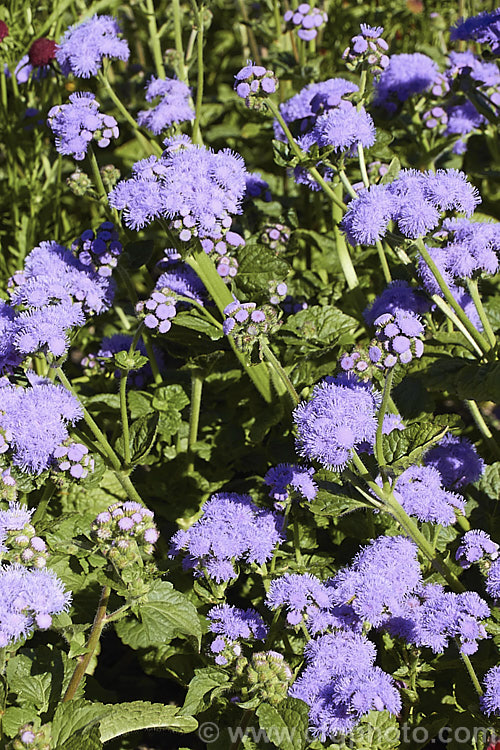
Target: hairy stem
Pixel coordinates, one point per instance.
(155, 39)
(379, 449)
(95, 635)
(194, 413)
(274, 361)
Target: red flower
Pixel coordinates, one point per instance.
(42, 52)
(4, 30)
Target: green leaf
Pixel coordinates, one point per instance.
(129, 717)
(405, 447)
(258, 265)
(331, 500)
(88, 739)
(286, 724)
(203, 682)
(378, 730)
(490, 481)
(169, 397)
(162, 615)
(317, 326)
(142, 437)
(14, 718)
(76, 716)
(28, 681)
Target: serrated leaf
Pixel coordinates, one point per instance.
(203, 682)
(378, 730)
(406, 447)
(259, 265)
(170, 397)
(164, 614)
(490, 481)
(30, 683)
(142, 437)
(76, 716)
(14, 717)
(88, 739)
(286, 724)
(129, 717)
(317, 326)
(333, 504)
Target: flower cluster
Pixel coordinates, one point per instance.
(493, 580)
(399, 338)
(340, 683)
(490, 701)
(229, 625)
(267, 675)
(232, 528)
(99, 250)
(35, 421)
(343, 128)
(483, 28)
(28, 600)
(397, 296)
(301, 595)
(253, 82)
(54, 292)
(197, 189)
(8, 485)
(19, 542)
(247, 323)
(415, 201)
(404, 76)
(285, 477)
(307, 20)
(457, 461)
(173, 289)
(83, 46)
(123, 531)
(367, 48)
(74, 458)
(78, 123)
(474, 545)
(276, 236)
(420, 491)
(339, 417)
(174, 105)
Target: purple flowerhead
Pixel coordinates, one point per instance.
(83, 46)
(172, 108)
(367, 49)
(78, 123)
(284, 478)
(457, 461)
(420, 491)
(340, 415)
(307, 20)
(253, 83)
(404, 76)
(301, 595)
(474, 546)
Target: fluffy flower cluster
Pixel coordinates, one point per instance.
(420, 491)
(415, 200)
(457, 461)
(343, 127)
(474, 545)
(301, 595)
(490, 701)
(34, 421)
(230, 624)
(339, 417)
(483, 28)
(404, 76)
(368, 48)
(493, 580)
(28, 600)
(340, 683)
(398, 296)
(74, 458)
(381, 576)
(253, 82)
(285, 476)
(172, 290)
(197, 189)
(174, 105)
(83, 46)
(122, 529)
(18, 540)
(399, 337)
(78, 123)
(99, 250)
(434, 617)
(54, 292)
(232, 528)
(307, 20)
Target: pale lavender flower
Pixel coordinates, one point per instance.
(83, 46)
(174, 105)
(457, 461)
(474, 545)
(301, 595)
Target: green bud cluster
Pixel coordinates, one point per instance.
(79, 183)
(110, 176)
(125, 533)
(267, 676)
(28, 738)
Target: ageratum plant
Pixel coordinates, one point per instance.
(249, 393)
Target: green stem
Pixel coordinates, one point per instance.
(194, 413)
(124, 415)
(362, 166)
(277, 19)
(476, 298)
(347, 184)
(101, 190)
(305, 631)
(42, 506)
(103, 443)
(95, 635)
(274, 361)
(157, 376)
(155, 39)
(251, 36)
(483, 427)
(205, 269)
(183, 74)
(199, 88)
(345, 261)
(446, 309)
(478, 338)
(379, 449)
(300, 155)
(472, 673)
(408, 525)
(383, 261)
(149, 145)
(296, 543)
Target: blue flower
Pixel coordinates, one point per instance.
(83, 46)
